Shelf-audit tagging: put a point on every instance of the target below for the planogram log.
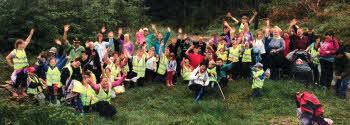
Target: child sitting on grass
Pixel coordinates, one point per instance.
(258, 75)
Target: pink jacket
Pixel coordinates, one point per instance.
(329, 45)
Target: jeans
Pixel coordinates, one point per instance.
(343, 86)
(257, 92)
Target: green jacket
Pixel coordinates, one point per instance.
(223, 69)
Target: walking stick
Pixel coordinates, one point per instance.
(222, 93)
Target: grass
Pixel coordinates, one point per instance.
(158, 104)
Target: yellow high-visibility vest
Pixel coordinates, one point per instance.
(258, 83)
(20, 60)
(53, 76)
(247, 55)
(139, 66)
(87, 94)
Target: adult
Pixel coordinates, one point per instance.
(127, 45)
(342, 72)
(20, 61)
(94, 59)
(243, 21)
(195, 57)
(159, 40)
(300, 41)
(101, 46)
(199, 79)
(149, 36)
(74, 51)
(310, 35)
(328, 47)
(115, 43)
(276, 46)
(71, 72)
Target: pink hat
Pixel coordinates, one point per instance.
(31, 69)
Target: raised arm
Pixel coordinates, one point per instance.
(167, 35)
(66, 28)
(230, 16)
(116, 83)
(154, 29)
(189, 49)
(291, 24)
(251, 19)
(28, 38)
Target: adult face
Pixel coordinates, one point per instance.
(219, 63)
(76, 44)
(84, 56)
(100, 38)
(75, 64)
(300, 32)
(110, 35)
(203, 68)
(195, 50)
(309, 32)
(328, 37)
(160, 36)
(104, 83)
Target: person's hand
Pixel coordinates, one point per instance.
(103, 29)
(32, 31)
(161, 43)
(66, 28)
(192, 46)
(328, 52)
(179, 30)
(173, 73)
(169, 29)
(233, 59)
(87, 44)
(120, 30)
(338, 77)
(58, 42)
(293, 22)
(225, 23)
(153, 26)
(67, 57)
(125, 73)
(228, 14)
(255, 13)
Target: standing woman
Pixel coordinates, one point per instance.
(101, 46)
(259, 44)
(19, 58)
(276, 46)
(327, 48)
(127, 45)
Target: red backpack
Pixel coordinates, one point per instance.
(309, 103)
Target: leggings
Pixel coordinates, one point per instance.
(326, 73)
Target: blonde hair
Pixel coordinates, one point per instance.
(19, 41)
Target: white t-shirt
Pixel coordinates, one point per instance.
(150, 63)
(259, 44)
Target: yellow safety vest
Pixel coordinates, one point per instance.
(222, 56)
(162, 65)
(126, 67)
(139, 66)
(87, 94)
(103, 96)
(247, 55)
(20, 60)
(186, 73)
(212, 78)
(39, 89)
(258, 83)
(114, 70)
(234, 53)
(220, 46)
(53, 76)
(314, 54)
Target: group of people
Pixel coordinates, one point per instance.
(87, 77)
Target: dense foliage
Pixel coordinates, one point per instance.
(49, 16)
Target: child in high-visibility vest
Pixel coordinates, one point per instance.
(222, 54)
(212, 75)
(35, 88)
(234, 56)
(246, 60)
(53, 80)
(258, 75)
(186, 70)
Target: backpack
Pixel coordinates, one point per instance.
(308, 103)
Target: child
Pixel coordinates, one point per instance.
(151, 64)
(140, 38)
(222, 54)
(19, 58)
(171, 69)
(212, 75)
(163, 62)
(53, 80)
(35, 89)
(234, 53)
(246, 60)
(186, 70)
(258, 75)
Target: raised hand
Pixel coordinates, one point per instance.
(103, 29)
(58, 42)
(225, 23)
(120, 30)
(179, 30)
(255, 13)
(66, 28)
(169, 29)
(153, 26)
(293, 22)
(228, 14)
(32, 31)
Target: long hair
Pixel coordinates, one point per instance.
(19, 41)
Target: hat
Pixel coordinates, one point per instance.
(53, 50)
(259, 65)
(145, 29)
(31, 69)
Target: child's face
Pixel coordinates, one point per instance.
(222, 50)
(52, 62)
(187, 62)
